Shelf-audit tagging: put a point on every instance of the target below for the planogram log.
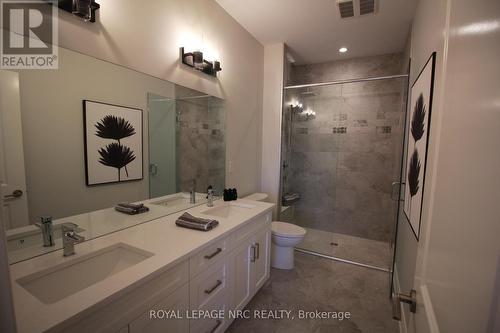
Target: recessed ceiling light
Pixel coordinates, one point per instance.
(343, 50)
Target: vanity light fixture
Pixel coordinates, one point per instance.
(195, 60)
(343, 49)
(296, 107)
(84, 9)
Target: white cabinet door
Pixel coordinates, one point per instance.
(241, 284)
(261, 256)
(177, 301)
(251, 265)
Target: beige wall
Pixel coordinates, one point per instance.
(146, 36)
(51, 104)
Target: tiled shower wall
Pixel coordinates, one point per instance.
(343, 161)
(201, 143)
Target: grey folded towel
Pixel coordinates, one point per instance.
(290, 198)
(189, 221)
(131, 209)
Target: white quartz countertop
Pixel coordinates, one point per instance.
(95, 224)
(169, 243)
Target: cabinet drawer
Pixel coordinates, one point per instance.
(155, 322)
(209, 285)
(251, 228)
(216, 323)
(209, 255)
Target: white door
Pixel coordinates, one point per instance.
(12, 173)
(456, 262)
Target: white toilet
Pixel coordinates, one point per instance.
(257, 197)
(284, 236)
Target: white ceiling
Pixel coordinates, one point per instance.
(314, 31)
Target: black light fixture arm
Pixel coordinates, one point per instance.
(195, 60)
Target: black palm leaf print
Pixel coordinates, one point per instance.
(414, 175)
(116, 128)
(418, 119)
(116, 156)
(113, 127)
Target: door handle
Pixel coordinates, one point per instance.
(257, 246)
(14, 194)
(153, 169)
(397, 298)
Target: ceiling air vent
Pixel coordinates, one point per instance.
(356, 8)
(346, 8)
(366, 7)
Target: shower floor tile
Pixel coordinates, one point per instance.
(361, 250)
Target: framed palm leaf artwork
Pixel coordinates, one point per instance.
(417, 143)
(113, 143)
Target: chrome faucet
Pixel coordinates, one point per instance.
(210, 196)
(70, 238)
(192, 192)
(45, 226)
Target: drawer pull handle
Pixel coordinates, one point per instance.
(219, 322)
(211, 290)
(210, 256)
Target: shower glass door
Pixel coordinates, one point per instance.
(162, 146)
(341, 158)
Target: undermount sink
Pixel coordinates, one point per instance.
(58, 282)
(229, 210)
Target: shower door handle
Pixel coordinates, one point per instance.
(153, 169)
(395, 188)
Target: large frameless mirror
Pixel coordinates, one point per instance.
(81, 139)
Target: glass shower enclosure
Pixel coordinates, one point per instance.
(187, 143)
(341, 164)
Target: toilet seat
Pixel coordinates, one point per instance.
(257, 196)
(288, 230)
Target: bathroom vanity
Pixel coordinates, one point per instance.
(118, 282)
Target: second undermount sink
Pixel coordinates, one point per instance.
(229, 209)
(58, 282)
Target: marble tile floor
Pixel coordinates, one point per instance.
(324, 285)
(357, 249)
